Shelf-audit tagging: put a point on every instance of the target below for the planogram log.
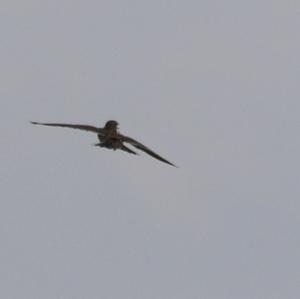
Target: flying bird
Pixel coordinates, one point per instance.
(110, 138)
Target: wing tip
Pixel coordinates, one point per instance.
(173, 165)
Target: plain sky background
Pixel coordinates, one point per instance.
(213, 86)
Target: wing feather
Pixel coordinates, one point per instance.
(72, 126)
(144, 148)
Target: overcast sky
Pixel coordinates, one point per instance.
(212, 86)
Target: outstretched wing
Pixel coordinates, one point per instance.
(80, 127)
(145, 149)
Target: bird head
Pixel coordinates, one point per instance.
(111, 124)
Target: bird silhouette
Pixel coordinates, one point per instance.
(110, 138)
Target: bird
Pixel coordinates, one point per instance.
(110, 138)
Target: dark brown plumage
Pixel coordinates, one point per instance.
(110, 138)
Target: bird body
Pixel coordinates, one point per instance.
(110, 138)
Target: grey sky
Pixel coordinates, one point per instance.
(213, 86)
